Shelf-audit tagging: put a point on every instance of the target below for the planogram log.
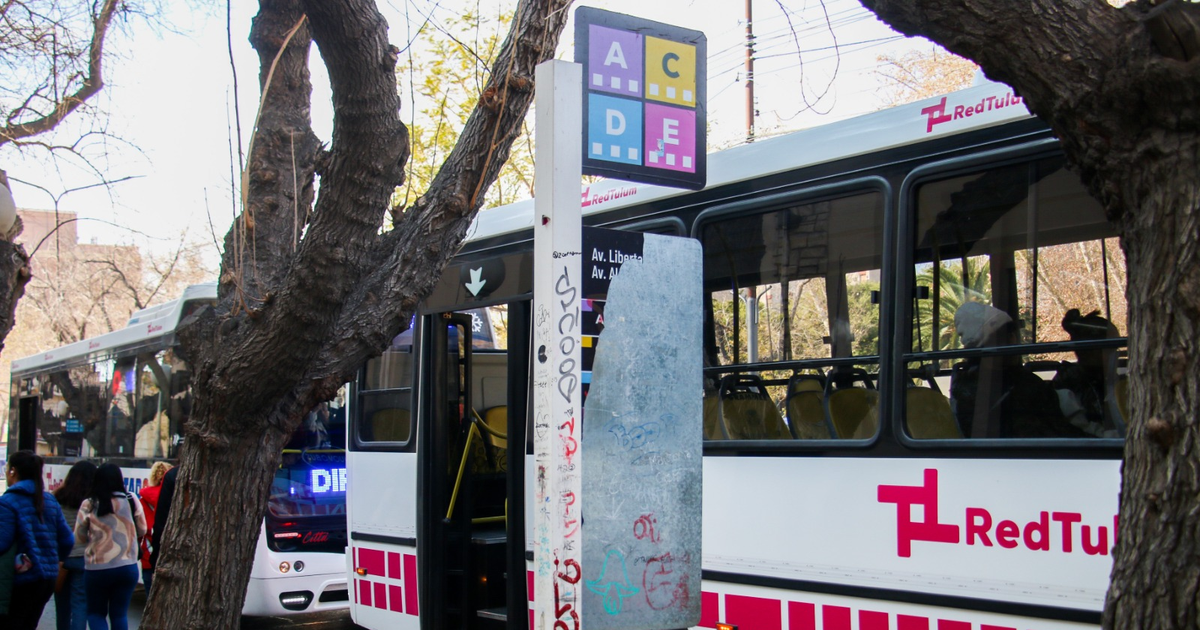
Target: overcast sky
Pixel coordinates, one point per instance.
(169, 99)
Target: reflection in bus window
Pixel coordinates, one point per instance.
(798, 286)
(1014, 256)
(385, 394)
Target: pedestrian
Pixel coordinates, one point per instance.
(70, 596)
(149, 495)
(31, 519)
(164, 510)
(110, 523)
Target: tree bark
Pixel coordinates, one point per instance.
(1120, 88)
(308, 293)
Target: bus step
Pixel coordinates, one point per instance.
(496, 614)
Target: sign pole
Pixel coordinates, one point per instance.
(558, 397)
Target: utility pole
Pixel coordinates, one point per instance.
(749, 74)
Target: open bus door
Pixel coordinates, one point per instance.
(471, 462)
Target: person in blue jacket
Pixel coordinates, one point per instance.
(31, 519)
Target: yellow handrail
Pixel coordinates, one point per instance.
(494, 433)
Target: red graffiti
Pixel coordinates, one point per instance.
(663, 587)
(562, 609)
(643, 528)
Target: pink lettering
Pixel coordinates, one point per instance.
(1100, 547)
(958, 111)
(1041, 528)
(1067, 519)
(979, 528)
(1007, 533)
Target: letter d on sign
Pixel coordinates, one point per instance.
(614, 122)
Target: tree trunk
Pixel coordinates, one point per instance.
(221, 488)
(306, 295)
(1121, 89)
(1156, 565)
(14, 273)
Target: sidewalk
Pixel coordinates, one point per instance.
(48, 620)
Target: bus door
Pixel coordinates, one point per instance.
(471, 457)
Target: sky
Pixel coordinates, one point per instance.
(169, 100)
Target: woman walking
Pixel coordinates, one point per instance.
(110, 522)
(70, 596)
(31, 519)
(149, 494)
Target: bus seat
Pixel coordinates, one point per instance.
(806, 409)
(1122, 389)
(390, 425)
(854, 412)
(497, 419)
(852, 403)
(928, 416)
(747, 410)
(713, 428)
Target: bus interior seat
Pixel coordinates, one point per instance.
(806, 407)
(852, 403)
(714, 429)
(927, 414)
(1121, 393)
(496, 418)
(391, 425)
(747, 410)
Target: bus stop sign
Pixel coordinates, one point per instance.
(644, 99)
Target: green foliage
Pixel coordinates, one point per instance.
(446, 70)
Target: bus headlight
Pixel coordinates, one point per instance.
(284, 567)
(298, 566)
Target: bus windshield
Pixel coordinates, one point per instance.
(307, 504)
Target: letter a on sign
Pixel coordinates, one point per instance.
(615, 56)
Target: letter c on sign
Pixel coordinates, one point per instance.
(669, 57)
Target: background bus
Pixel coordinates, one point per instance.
(914, 404)
(125, 397)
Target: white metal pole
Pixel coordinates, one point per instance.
(558, 399)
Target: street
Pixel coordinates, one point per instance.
(339, 620)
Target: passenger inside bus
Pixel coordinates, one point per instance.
(996, 396)
(1084, 385)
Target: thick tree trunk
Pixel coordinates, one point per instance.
(221, 490)
(296, 319)
(1156, 570)
(1121, 88)
(14, 273)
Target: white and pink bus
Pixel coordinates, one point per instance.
(915, 400)
(124, 396)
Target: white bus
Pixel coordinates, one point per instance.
(124, 397)
(914, 333)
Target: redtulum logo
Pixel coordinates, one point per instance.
(608, 195)
(938, 114)
(983, 529)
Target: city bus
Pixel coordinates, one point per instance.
(915, 392)
(124, 397)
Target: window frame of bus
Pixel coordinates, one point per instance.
(806, 195)
(905, 279)
(358, 391)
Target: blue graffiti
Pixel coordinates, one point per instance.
(613, 584)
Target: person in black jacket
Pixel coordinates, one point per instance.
(31, 519)
(160, 517)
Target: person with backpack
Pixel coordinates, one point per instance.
(111, 524)
(70, 596)
(32, 525)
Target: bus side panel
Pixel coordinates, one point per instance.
(1032, 532)
(382, 502)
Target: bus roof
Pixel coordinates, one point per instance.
(978, 107)
(146, 324)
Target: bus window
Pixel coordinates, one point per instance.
(1015, 257)
(798, 287)
(385, 395)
